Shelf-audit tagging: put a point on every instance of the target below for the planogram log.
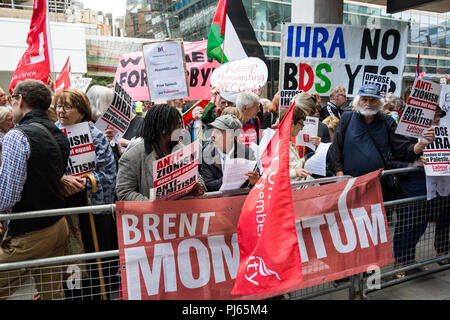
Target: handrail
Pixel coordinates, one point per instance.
(112, 207)
(402, 170)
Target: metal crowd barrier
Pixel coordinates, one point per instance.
(356, 286)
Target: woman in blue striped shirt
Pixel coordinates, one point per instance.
(72, 107)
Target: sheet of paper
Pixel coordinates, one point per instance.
(234, 173)
(310, 129)
(318, 162)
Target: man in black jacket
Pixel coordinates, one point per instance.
(35, 155)
(338, 98)
(223, 147)
(365, 140)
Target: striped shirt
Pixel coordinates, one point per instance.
(13, 170)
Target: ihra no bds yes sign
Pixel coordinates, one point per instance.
(319, 57)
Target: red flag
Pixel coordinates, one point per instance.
(63, 81)
(37, 61)
(187, 116)
(267, 237)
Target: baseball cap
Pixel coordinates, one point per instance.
(369, 90)
(226, 122)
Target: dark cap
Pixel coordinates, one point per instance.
(226, 122)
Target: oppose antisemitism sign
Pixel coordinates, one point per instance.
(318, 57)
(420, 108)
(176, 174)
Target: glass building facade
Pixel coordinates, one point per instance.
(428, 35)
(428, 32)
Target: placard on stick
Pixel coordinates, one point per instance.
(176, 174)
(420, 109)
(166, 69)
(82, 152)
(118, 114)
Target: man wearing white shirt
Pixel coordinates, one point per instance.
(222, 147)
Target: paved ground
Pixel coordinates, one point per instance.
(434, 286)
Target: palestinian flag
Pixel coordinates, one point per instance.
(231, 36)
(187, 116)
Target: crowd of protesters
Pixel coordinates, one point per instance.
(34, 154)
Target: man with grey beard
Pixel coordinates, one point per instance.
(365, 139)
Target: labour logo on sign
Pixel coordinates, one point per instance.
(255, 267)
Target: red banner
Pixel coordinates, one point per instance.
(37, 61)
(188, 249)
(268, 245)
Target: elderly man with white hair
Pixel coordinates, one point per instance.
(248, 103)
(365, 139)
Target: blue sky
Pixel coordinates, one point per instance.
(116, 7)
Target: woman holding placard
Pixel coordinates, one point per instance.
(98, 185)
(160, 139)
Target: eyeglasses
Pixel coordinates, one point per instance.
(300, 124)
(66, 107)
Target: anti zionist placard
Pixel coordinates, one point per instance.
(176, 174)
(82, 153)
(420, 109)
(188, 249)
(319, 57)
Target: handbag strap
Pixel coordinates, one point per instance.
(375, 143)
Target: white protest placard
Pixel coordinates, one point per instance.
(286, 97)
(80, 83)
(176, 174)
(310, 129)
(82, 152)
(381, 81)
(118, 115)
(166, 69)
(420, 108)
(317, 164)
(231, 78)
(319, 57)
(445, 100)
(234, 173)
(438, 153)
